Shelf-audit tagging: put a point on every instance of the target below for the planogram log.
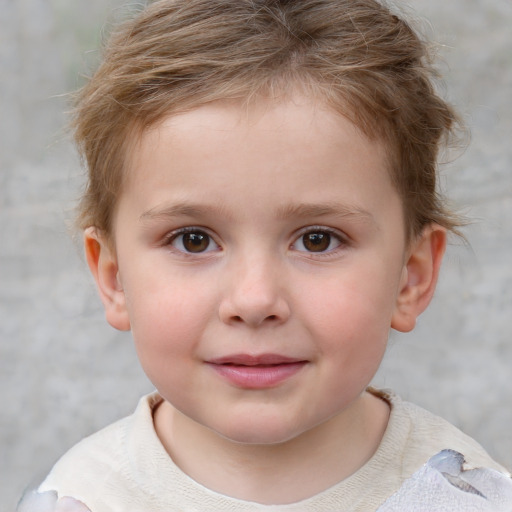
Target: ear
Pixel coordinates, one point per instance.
(419, 277)
(102, 262)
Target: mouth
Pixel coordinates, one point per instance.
(256, 371)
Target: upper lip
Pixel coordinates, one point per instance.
(255, 360)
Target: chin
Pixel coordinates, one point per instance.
(259, 433)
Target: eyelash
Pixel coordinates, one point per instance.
(175, 235)
(341, 240)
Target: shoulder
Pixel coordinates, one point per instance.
(99, 451)
(101, 462)
(429, 434)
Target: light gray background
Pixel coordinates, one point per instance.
(64, 373)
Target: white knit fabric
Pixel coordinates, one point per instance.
(125, 468)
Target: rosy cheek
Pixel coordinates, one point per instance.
(346, 311)
(166, 322)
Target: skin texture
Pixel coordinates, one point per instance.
(255, 189)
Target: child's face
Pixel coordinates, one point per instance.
(260, 257)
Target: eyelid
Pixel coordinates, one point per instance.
(343, 239)
(169, 238)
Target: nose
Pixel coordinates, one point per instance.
(254, 295)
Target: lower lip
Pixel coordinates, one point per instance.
(258, 376)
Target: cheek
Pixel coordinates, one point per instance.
(167, 319)
(350, 319)
(351, 332)
(348, 309)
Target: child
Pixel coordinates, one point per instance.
(261, 210)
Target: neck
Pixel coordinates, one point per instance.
(280, 473)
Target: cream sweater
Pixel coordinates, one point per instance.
(125, 468)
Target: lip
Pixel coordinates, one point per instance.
(256, 371)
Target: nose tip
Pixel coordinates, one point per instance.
(255, 300)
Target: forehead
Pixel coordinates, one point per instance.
(277, 154)
(291, 119)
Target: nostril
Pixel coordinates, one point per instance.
(239, 319)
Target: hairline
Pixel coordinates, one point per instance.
(137, 128)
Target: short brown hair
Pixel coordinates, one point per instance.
(365, 61)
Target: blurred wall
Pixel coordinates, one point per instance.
(64, 373)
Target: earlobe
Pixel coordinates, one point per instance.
(419, 277)
(102, 262)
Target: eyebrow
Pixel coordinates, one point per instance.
(324, 210)
(300, 210)
(181, 210)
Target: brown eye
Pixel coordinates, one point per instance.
(193, 242)
(316, 242)
(196, 242)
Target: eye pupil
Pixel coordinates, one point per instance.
(196, 242)
(316, 242)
